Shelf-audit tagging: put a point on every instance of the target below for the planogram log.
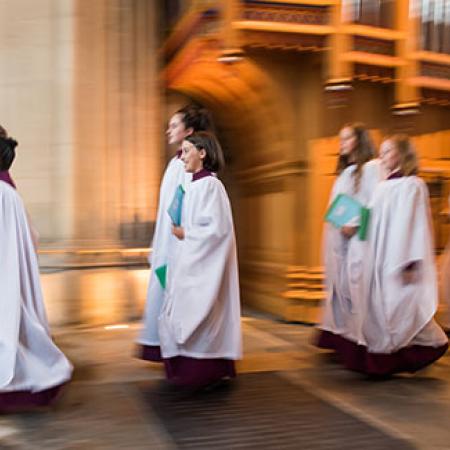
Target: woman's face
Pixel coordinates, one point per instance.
(192, 157)
(176, 130)
(347, 140)
(390, 158)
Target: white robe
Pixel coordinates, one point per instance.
(201, 314)
(344, 257)
(163, 248)
(30, 361)
(400, 233)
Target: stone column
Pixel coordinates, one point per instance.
(36, 81)
(79, 91)
(118, 126)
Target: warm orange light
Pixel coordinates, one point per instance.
(116, 327)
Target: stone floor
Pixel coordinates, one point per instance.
(103, 409)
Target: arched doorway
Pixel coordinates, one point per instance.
(263, 176)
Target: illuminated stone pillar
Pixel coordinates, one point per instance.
(117, 154)
(36, 81)
(79, 91)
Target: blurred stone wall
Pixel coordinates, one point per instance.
(79, 91)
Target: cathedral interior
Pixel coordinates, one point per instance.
(87, 88)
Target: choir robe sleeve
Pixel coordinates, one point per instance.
(162, 237)
(206, 253)
(371, 175)
(407, 216)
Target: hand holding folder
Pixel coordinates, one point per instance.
(345, 209)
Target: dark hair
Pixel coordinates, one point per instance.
(204, 140)
(7, 149)
(196, 117)
(364, 151)
(407, 153)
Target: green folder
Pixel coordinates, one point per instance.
(344, 209)
(364, 225)
(161, 273)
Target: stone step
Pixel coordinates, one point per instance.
(305, 294)
(306, 285)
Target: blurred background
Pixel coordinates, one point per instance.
(87, 87)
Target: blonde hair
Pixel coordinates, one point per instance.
(408, 162)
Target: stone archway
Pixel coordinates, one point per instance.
(264, 177)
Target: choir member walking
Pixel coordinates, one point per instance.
(199, 326)
(32, 369)
(398, 332)
(344, 252)
(184, 122)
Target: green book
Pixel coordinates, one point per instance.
(344, 209)
(364, 225)
(161, 273)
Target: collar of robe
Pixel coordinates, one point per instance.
(6, 177)
(395, 174)
(202, 174)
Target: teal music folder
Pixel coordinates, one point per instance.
(345, 209)
(176, 206)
